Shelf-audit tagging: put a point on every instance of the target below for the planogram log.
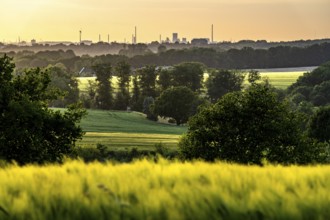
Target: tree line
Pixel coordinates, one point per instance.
(245, 58)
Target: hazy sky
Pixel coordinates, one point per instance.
(57, 20)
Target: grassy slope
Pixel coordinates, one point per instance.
(166, 190)
(120, 130)
(128, 122)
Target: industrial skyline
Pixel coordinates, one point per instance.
(175, 38)
(233, 20)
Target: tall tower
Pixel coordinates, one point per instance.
(212, 33)
(80, 36)
(175, 38)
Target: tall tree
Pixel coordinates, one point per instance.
(29, 131)
(62, 80)
(319, 126)
(104, 99)
(123, 70)
(147, 80)
(136, 101)
(220, 82)
(176, 103)
(164, 80)
(188, 74)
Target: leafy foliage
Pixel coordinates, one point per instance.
(189, 74)
(176, 103)
(220, 82)
(63, 81)
(104, 99)
(147, 103)
(29, 131)
(164, 80)
(123, 70)
(319, 127)
(313, 86)
(147, 80)
(247, 127)
(136, 101)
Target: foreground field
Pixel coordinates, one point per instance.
(164, 190)
(124, 130)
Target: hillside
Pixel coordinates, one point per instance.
(120, 130)
(126, 122)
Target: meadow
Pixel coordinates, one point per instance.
(120, 130)
(281, 80)
(164, 190)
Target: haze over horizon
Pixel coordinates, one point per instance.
(60, 20)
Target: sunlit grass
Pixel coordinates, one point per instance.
(126, 122)
(126, 141)
(120, 130)
(164, 190)
(280, 80)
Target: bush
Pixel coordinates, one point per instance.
(319, 126)
(248, 127)
(29, 131)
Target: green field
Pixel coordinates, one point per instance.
(282, 80)
(164, 190)
(120, 130)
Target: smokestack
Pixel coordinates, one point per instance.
(212, 34)
(80, 36)
(135, 38)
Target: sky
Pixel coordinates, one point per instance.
(233, 20)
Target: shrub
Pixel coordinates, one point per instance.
(248, 127)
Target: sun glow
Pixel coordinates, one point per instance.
(233, 20)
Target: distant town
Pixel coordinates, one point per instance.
(101, 47)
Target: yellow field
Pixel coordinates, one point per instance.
(83, 82)
(278, 79)
(164, 190)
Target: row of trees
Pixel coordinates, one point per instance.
(245, 58)
(179, 89)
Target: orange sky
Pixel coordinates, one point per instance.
(59, 20)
